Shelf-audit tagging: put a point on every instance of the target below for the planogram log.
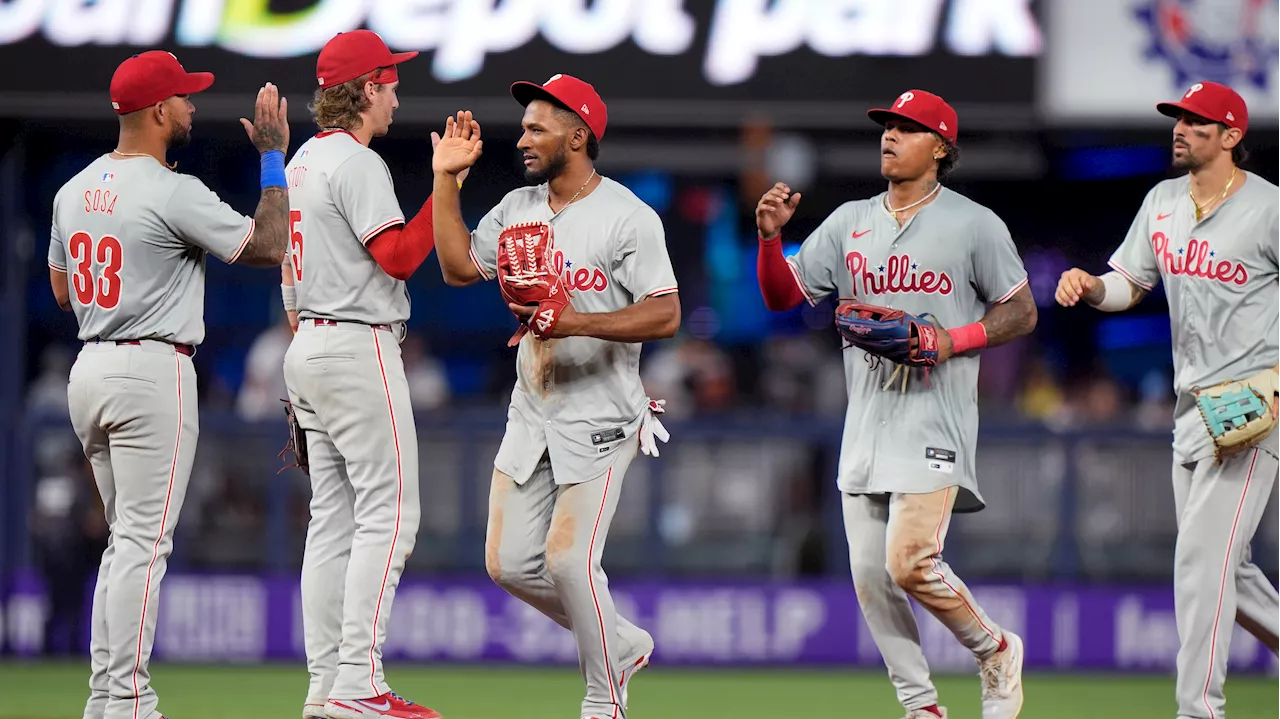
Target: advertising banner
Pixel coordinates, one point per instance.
(765, 51)
(242, 618)
(1113, 60)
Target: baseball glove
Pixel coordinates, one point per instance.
(1239, 413)
(887, 333)
(526, 277)
(297, 441)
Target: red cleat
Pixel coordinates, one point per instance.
(387, 706)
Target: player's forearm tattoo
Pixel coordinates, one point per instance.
(270, 231)
(1010, 319)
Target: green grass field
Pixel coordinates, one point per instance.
(57, 691)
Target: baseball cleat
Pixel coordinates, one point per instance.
(926, 714)
(314, 711)
(632, 667)
(387, 706)
(1002, 680)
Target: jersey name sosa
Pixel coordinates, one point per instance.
(898, 274)
(1197, 259)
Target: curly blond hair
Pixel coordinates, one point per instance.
(341, 105)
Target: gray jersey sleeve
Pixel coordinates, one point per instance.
(1134, 258)
(641, 264)
(819, 259)
(997, 268)
(484, 241)
(57, 244)
(196, 215)
(364, 194)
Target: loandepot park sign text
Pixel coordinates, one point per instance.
(463, 32)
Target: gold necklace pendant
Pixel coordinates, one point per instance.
(1200, 209)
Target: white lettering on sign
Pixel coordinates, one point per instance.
(464, 32)
(26, 617)
(214, 618)
(733, 624)
(429, 624)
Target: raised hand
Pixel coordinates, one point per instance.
(270, 127)
(458, 147)
(775, 209)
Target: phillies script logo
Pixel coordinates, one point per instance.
(578, 279)
(1197, 260)
(899, 274)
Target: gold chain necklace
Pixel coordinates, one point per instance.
(920, 201)
(575, 195)
(1221, 195)
(174, 166)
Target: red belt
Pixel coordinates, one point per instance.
(334, 323)
(187, 350)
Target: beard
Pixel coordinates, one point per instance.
(1186, 161)
(179, 137)
(555, 166)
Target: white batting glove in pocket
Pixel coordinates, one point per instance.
(651, 428)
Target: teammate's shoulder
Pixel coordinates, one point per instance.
(1262, 188)
(853, 209)
(526, 196)
(1171, 188)
(967, 207)
(631, 203)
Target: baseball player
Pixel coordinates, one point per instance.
(127, 256)
(907, 460)
(1211, 237)
(350, 253)
(578, 412)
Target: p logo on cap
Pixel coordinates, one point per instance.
(1212, 101)
(923, 107)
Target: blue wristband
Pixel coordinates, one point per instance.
(273, 169)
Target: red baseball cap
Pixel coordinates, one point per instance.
(925, 108)
(1211, 101)
(573, 93)
(154, 76)
(349, 55)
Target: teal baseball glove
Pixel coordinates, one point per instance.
(1239, 413)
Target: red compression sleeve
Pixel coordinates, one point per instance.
(778, 284)
(401, 250)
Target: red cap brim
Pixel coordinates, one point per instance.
(526, 92)
(880, 116)
(399, 57)
(1174, 109)
(194, 82)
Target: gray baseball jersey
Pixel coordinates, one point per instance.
(579, 398)
(347, 384)
(578, 402)
(1222, 283)
(949, 260)
(132, 236)
(1221, 280)
(340, 197)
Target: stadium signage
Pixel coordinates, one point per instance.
(728, 40)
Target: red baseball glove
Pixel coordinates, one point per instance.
(526, 277)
